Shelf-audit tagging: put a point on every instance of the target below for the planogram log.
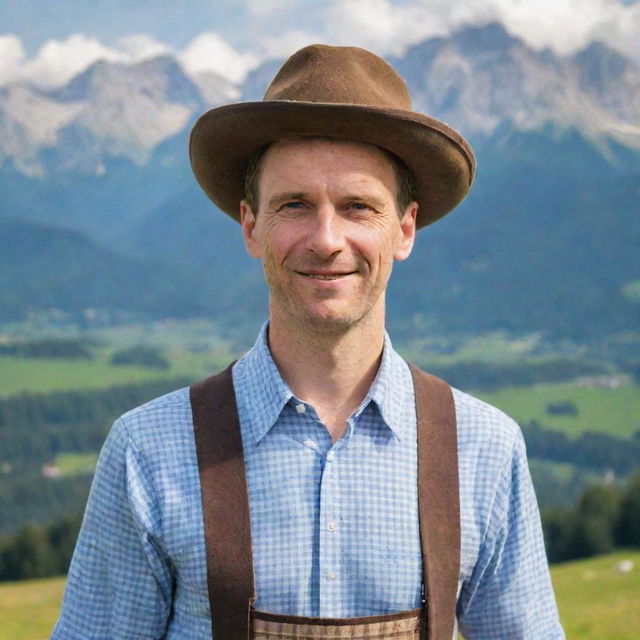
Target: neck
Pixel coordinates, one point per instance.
(331, 370)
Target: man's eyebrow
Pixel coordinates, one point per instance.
(367, 198)
(284, 196)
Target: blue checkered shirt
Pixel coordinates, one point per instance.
(334, 525)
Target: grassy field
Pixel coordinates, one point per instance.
(192, 348)
(76, 464)
(29, 609)
(47, 374)
(596, 601)
(615, 412)
(44, 375)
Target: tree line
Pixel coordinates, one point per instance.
(491, 376)
(65, 348)
(606, 517)
(39, 551)
(35, 427)
(589, 450)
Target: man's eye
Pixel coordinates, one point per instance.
(359, 206)
(294, 204)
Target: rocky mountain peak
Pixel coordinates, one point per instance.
(111, 109)
(483, 78)
(161, 78)
(492, 38)
(480, 80)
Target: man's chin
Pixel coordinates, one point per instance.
(325, 318)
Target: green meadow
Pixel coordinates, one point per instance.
(19, 375)
(76, 464)
(596, 601)
(29, 609)
(43, 375)
(615, 412)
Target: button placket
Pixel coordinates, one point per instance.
(329, 536)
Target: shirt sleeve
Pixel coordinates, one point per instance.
(120, 583)
(509, 594)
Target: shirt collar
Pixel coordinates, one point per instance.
(392, 389)
(269, 393)
(265, 391)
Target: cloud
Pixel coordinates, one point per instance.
(391, 26)
(569, 25)
(135, 48)
(57, 61)
(11, 56)
(210, 52)
(383, 26)
(274, 29)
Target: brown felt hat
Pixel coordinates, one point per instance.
(338, 92)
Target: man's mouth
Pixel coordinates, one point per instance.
(325, 276)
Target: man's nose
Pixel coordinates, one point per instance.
(326, 236)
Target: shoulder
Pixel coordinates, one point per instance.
(491, 464)
(483, 425)
(490, 449)
(159, 422)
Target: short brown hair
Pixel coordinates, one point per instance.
(406, 193)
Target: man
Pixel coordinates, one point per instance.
(311, 491)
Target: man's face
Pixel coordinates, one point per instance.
(327, 230)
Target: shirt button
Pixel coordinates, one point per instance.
(300, 408)
(330, 456)
(331, 575)
(332, 526)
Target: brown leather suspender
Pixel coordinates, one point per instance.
(438, 501)
(225, 504)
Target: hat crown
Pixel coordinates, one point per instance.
(339, 75)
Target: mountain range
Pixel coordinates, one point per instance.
(100, 209)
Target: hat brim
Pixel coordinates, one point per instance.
(224, 138)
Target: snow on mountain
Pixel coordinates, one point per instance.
(478, 80)
(29, 122)
(482, 77)
(111, 109)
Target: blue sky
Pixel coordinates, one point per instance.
(47, 41)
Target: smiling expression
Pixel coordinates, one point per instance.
(327, 230)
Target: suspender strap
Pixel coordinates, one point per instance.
(438, 500)
(225, 503)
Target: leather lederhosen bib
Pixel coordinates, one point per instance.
(227, 525)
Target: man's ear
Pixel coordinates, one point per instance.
(408, 229)
(248, 222)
